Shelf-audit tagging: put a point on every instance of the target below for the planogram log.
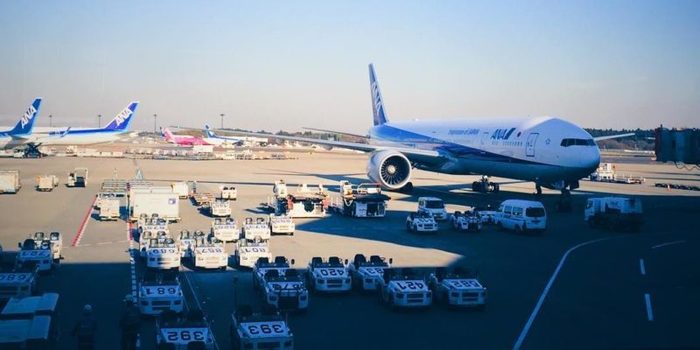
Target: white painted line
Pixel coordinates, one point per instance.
(540, 301)
(641, 267)
(647, 300)
(132, 260)
(667, 244)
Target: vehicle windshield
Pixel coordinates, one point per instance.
(534, 212)
(434, 204)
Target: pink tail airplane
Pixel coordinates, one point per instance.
(182, 140)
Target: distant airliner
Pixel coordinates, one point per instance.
(214, 139)
(549, 151)
(182, 140)
(18, 135)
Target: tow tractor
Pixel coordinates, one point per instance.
(53, 241)
(187, 243)
(422, 221)
(468, 220)
(153, 224)
(368, 274)
(46, 183)
(228, 192)
(307, 202)
(282, 224)
(255, 229)
(35, 253)
(145, 238)
(615, 213)
(225, 229)
(78, 178)
(364, 201)
(458, 287)
(192, 331)
(162, 253)
(404, 288)
(285, 289)
(267, 330)
(263, 264)
(220, 208)
(487, 214)
(160, 291)
(248, 253)
(328, 276)
(17, 283)
(210, 254)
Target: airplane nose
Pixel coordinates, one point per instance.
(592, 159)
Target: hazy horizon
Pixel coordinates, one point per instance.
(284, 65)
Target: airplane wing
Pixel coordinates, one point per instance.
(418, 155)
(609, 137)
(336, 132)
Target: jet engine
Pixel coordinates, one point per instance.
(390, 169)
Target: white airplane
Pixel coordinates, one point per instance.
(19, 135)
(549, 151)
(217, 140)
(85, 136)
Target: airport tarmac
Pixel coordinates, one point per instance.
(596, 292)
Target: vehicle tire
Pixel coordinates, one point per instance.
(496, 187)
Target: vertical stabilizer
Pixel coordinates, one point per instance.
(377, 101)
(26, 122)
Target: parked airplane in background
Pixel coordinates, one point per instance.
(214, 139)
(549, 151)
(18, 135)
(84, 136)
(182, 140)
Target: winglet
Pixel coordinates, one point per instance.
(377, 101)
(26, 122)
(123, 120)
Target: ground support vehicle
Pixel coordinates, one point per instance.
(187, 242)
(202, 198)
(248, 253)
(457, 287)
(46, 183)
(37, 332)
(282, 224)
(159, 292)
(267, 330)
(181, 189)
(255, 229)
(33, 253)
(163, 253)
(422, 221)
(228, 192)
(153, 200)
(78, 178)
(368, 275)
(285, 290)
(263, 264)
(466, 221)
(433, 205)
(364, 201)
(487, 214)
(616, 213)
(183, 332)
(145, 238)
(110, 209)
(521, 215)
(103, 196)
(220, 208)
(225, 230)
(209, 254)
(328, 276)
(152, 224)
(10, 181)
(404, 288)
(29, 306)
(17, 283)
(604, 173)
(305, 203)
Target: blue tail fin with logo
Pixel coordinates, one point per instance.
(123, 120)
(210, 134)
(377, 101)
(26, 122)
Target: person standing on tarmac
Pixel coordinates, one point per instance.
(130, 324)
(85, 329)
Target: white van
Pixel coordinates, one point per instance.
(521, 215)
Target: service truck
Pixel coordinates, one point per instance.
(154, 200)
(255, 229)
(248, 253)
(159, 292)
(10, 181)
(364, 201)
(209, 253)
(617, 213)
(228, 192)
(282, 224)
(78, 178)
(522, 216)
(307, 202)
(267, 330)
(328, 276)
(189, 331)
(46, 183)
(225, 229)
(220, 208)
(404, 288)
(457, 287)
(422, 221)
(435, 206)
(368, 275)
(110, 209)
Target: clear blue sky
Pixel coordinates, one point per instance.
(285, 64)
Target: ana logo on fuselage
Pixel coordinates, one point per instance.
(502, 134)
(28, 115)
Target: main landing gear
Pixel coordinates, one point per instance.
(485, 186)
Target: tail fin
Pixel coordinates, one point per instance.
(377, 101)
(123, 120)
(208, 132)
(26, 122)
(167, 135)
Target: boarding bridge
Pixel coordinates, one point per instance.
(677, 145)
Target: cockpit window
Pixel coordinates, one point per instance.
(577, 142)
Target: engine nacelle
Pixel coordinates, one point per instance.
(390, 169)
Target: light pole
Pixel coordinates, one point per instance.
(155, 117)
(99, 120)
(50, 120)
(222, 119)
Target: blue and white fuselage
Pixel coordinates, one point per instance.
(20, 134)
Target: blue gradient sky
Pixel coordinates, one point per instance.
(283, 64)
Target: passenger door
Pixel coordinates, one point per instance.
(530, 145)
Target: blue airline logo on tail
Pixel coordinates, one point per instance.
(26, 122)
(27, 117)
(377, 103)
(122, 118)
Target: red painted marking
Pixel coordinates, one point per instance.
(129, 232)
(81, 228)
